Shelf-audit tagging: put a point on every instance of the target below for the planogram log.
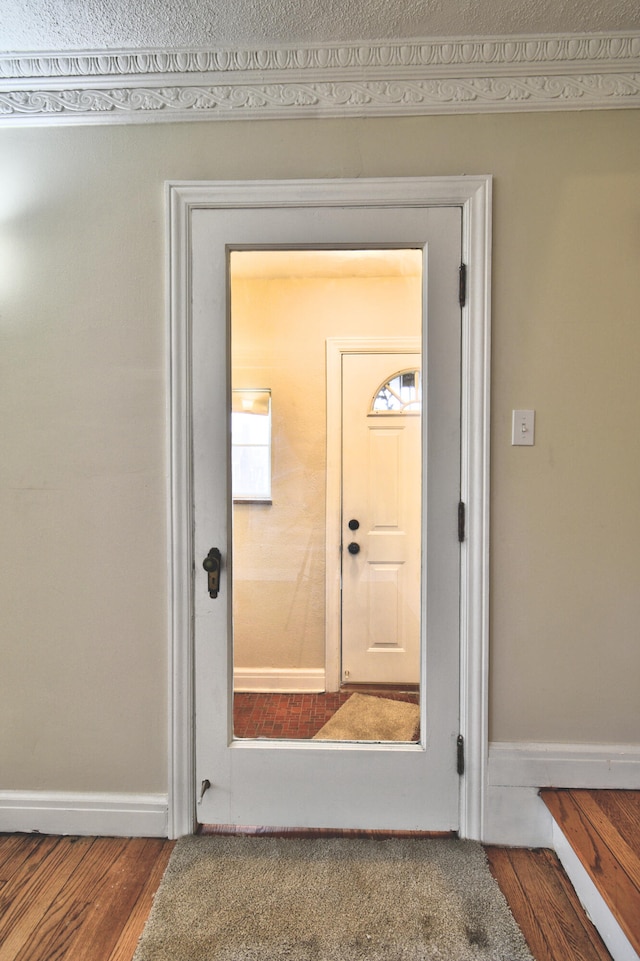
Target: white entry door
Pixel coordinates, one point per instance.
(382, 517)
(402, 786)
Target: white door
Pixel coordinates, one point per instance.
(381, 517)
(406, 786)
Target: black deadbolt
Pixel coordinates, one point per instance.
(354, 525)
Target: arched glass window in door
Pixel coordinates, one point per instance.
(399, 394)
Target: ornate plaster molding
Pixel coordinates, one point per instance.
(382, 79)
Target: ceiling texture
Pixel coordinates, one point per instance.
(103, 61)
(29, 25)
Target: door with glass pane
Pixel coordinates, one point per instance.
(260, 329)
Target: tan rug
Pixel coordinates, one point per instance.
(263, 899)
(368, 718)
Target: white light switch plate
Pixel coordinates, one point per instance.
(523, 428)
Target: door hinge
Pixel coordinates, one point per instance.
(462, 285)
(460, 754)
(461, 521)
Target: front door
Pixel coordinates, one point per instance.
(381, 511)
(404, 785)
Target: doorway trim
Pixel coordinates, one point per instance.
(473, 195)
(336, 348)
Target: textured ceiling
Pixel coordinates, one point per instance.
(37, 25)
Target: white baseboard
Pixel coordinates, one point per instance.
(619, 946)
(516, 817)
(514, 814)
(534, 764)
(292, 680)
(105, 815)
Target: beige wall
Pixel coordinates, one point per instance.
(280, 328)
(82, 403)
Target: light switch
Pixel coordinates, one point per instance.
(523, 428)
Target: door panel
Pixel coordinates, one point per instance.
(368, 785)
(381, 484)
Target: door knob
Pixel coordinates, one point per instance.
(353, 548)
(212, 564)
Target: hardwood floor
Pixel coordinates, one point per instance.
(76, 899)
(545, 905)
(603, 828)
(87, 899)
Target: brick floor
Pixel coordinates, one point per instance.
(291, 715)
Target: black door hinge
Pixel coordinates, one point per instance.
(460, 754)
(462, 285)
(461, 521)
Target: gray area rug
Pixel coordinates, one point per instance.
(267, 899)
(365, 717)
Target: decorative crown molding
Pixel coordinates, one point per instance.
(467, 75)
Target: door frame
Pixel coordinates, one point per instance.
(336, 348)
(473, 195)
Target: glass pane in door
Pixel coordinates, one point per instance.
(286, 305)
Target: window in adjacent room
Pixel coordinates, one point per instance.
(251, 445)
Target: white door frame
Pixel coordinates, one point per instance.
(473, 195)
(336, 347)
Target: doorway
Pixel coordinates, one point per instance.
(335, 785)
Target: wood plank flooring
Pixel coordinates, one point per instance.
(76, 899)
(603, 828)
(545, 905)
(87, 899)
